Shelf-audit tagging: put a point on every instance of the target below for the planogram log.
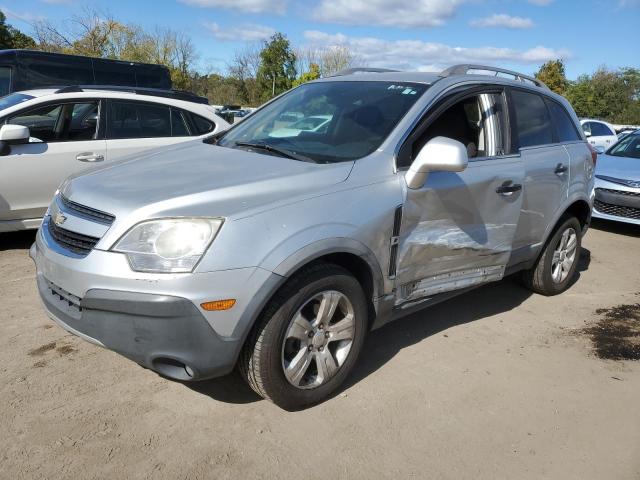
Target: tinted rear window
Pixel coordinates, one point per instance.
(532, 119)
(600, 129)
(565, 127)
(138, 120)
(5, 80)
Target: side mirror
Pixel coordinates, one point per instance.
(14, 134)
(599, 149)
(440, 154)
(587, 134)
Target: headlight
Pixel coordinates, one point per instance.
(172, 245)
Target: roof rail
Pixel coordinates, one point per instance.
(349, 71)
(463, 69)
(156, 92)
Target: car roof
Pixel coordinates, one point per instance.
(413, 77)
(42, 94)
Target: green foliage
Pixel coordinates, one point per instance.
(612, 95)
(553, 75)
(11, 37)
(312, 74)
(277, 69)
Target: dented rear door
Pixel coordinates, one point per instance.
(457, 231)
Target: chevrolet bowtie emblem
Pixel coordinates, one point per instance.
(59, 218)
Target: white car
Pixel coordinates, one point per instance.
(599, 133)
(48, 134)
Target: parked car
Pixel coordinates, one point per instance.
(49, 134)
(617, 184)
(599, 133)
(29, 69)
(279, 254)
(312, 123)
(624, 132)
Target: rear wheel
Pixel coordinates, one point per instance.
(558, 262)
(307, 339)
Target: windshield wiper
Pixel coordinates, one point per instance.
(280, 151)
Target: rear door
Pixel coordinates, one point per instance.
(457, 230)
(547, 167)
(65, 140)
(133, 127)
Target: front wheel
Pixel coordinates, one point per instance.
(558, 262)
(307, 339)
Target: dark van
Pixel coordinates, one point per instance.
(27, 69)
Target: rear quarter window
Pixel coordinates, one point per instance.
(565, 128)
(201, 125)
(600, 129)
(532, 119)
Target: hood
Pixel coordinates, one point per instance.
(197, 179)
(623, 168)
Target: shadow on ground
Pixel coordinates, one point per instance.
(619, 228)
(17, 240)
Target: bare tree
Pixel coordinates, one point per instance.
(330, 59)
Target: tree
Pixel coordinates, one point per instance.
(312, 74)
(11, 37)
(277, 66)
(553, 75)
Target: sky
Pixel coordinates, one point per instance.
(425, 35)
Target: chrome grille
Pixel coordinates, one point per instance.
(87, 212)
(619, 192)
(617, 210)
(75, 242)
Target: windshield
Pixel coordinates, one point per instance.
(13, 99)
(629, 146)
(358, 116)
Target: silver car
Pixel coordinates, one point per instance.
(278, 254)
(617, 184)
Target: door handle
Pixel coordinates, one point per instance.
(561, 169)
(89, 157)
(508, 188)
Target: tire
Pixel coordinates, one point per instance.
(278, 343)
(544, 278)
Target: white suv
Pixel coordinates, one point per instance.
(599, 134)
(48, 134)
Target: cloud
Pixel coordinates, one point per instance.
(392, 13)
(428, 56)
(541, 3)
(248, 6)
(502, 20)
(628, 3)
(247, 32)
(26, 17)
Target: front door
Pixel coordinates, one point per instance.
(63, 143)
(457, 230)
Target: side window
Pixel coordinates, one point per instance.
(600, 129)
(565, 128)
(61, 122)
(138, 120)
(42, 122)
(5, 81)
(477, 122)
(532, 119)
(202, 125)
(178, 125)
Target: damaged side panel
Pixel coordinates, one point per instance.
(457, 231)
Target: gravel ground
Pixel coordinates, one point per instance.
(496, 383)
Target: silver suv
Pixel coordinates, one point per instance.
(277, 253)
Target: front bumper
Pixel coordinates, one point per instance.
(155, 321)
(617, 203)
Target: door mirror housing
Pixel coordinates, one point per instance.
(440, 154)
(587, 133)
(599, 149)
(14, 134)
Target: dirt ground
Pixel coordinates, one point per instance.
(494, 384)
